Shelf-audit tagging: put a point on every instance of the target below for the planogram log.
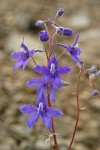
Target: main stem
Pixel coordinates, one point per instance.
(53, 128)
(78, 111)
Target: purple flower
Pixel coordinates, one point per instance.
(64, 31)
(42, 87)
(44, 36)
(23, 57)
(52, 72)
(73, 50)
(40, 110)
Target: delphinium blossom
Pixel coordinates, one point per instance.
(52, 72)
(42, 87)
(73, 50)
(23, 56)
(40, 110)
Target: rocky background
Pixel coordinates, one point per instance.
(17, 19)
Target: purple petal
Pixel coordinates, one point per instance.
(32, 120)
(75, 58)
(34, 82)
(64, 70)
(41, 69)
(42, 99)
(67, 32)
(54, 61)
(17, 65)
(31, 53)
(52, 112)
(76, 40)
(25, 63)
(24, 46)
(28, 109)
(47, 121)
(41, 90)
(16, 55)
(52, 93)
(57, 82)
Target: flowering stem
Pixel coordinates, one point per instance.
(78, 111)
(53, 128)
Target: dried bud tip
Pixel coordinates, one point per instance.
(39, 23)
(95, 93)
(60, 12)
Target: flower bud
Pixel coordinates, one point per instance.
(64, 31)
(60, 12)
(67, 32)
(39, 23)
(95, 93)
(44, 36)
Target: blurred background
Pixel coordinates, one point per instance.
(17, 19)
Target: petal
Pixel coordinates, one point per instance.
(54, 61)
(31, 53)
(47, 121)
(41, 90)
(57, 82)
(52, 112)
(75, 58)
(36, 82)
(25, 63)
(24, 46)
(16, 55)
(32, 120)
(28, 109)
(17, 65)
(52, 93)
(64, 70)
(41, 69)
(76, 40)
(41, 99)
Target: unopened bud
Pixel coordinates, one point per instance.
(95, 93)
(60, 12)
(44, 36)
(64, 31)
(39, 23)
(93, 69)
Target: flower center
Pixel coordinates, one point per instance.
(41, 106)
(52, 68)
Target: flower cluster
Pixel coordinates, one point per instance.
(51, 74)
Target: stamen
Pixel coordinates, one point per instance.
(52, 69)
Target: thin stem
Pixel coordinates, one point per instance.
(78, 111)
(61, 54)
(84, 105)
(45, 50)
(53, 128)
(34, 61)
